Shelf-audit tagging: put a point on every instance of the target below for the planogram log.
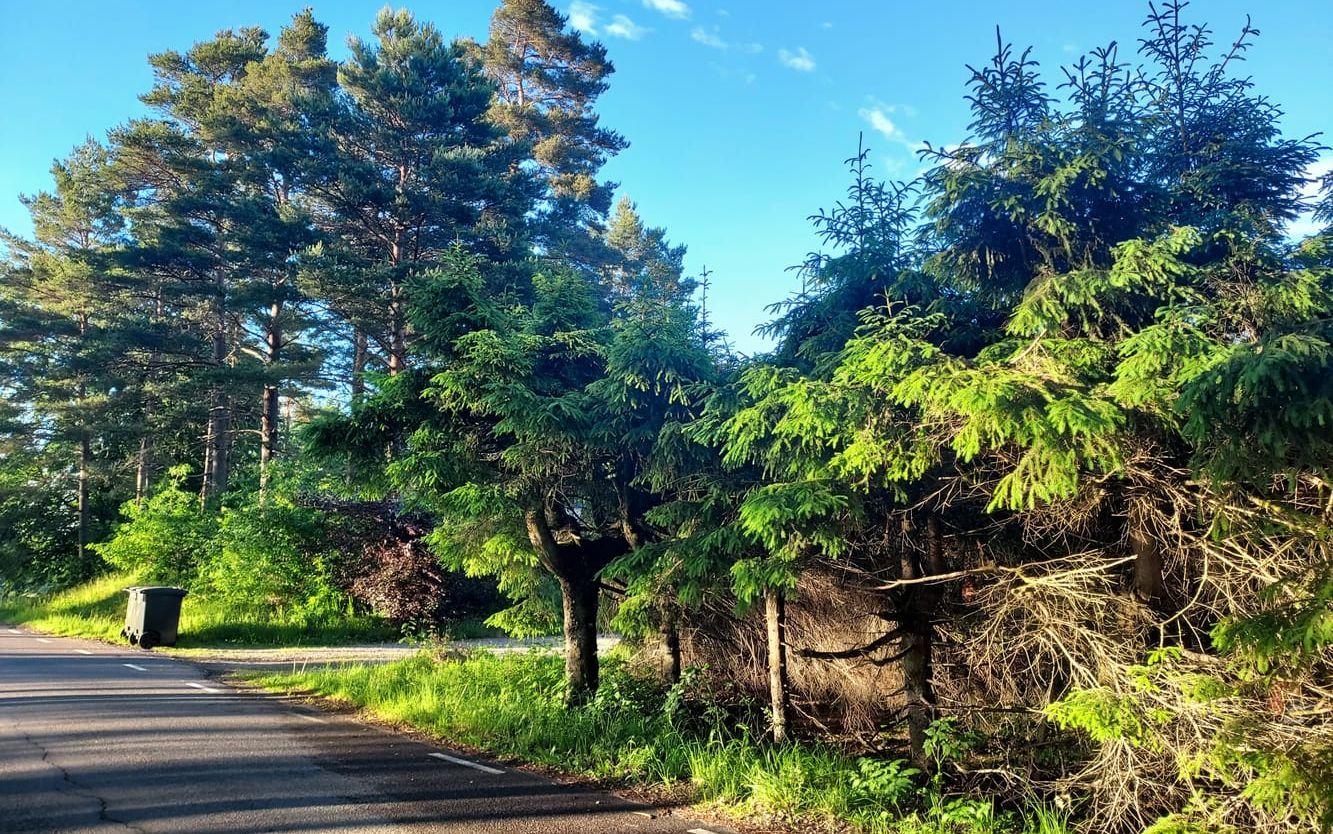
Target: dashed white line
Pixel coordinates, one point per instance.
(42, 640)
(82, 651)
(134, 667)
(309, 718)
(643, 814)
(699, 831)
(465, 763)
(210, 690)
(14, 631)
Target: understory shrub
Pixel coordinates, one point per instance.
(165, 538)
(637, 730)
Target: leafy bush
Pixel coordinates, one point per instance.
(164, 539)
(269, 555)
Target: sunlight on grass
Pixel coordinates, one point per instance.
(96, 610)
(637, 731)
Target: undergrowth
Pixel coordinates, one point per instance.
(637, 731)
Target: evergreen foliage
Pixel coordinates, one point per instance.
(1044, 437)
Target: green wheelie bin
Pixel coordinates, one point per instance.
(152, 615)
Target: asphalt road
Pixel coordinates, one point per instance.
(96, 738)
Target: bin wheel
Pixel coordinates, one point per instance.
(149, 639)
(133, 638)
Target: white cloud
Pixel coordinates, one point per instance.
(622, 27)
(877, 116)
(708, 37)
(826, 25)
(800, 60)
(583, 17)
(670, 8)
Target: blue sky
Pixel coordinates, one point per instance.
(739, 112)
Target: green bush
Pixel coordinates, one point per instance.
(164, 539)
(268, 556)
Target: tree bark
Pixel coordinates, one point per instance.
(85, 456)
(141, 469)
(269, 417)
(397, 333)
(775, 617)
(916, 661)
(671, 642)
(216, 445)
(360, 348)
(1149, 583)
(580, 598)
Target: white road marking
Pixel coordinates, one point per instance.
(83, 651)
(310, 718)
(135, 668)
(465, 763)
(643, 814)
(700, 831)
(15, 631)
(42, 640)
(210, 690)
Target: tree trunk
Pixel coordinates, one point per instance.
(775, 617)
(85, 455)
(671, 642)
(580, 597)
(397, 333)
(268, 413)
(1149, 584)
(141, 469)
(216, 445)
(360, 347)
(916, 649)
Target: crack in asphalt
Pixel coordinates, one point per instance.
(75, 787)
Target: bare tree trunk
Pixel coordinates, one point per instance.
(917, 647)
(269, 417)
(216, 445)
(85, 456)
(360, 348)
(141, 469)
(775, 618)
(671, 642)
(1149, 584)
(580, 598)
(397, 333)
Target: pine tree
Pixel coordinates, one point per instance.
(64, 323)
(414, 167)
(547, 82)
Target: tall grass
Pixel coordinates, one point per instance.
(96, 610)
(637, 731)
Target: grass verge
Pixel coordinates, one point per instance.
(637, 732)
(96, 610)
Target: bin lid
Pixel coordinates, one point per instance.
(161, 590)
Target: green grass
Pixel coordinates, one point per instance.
(638, 732)
(96, 610)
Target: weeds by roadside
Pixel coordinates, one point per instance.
(639, 732)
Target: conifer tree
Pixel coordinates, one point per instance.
(414, 166)
(547, 82)
(62, 324)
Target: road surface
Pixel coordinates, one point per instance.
(97, 738)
